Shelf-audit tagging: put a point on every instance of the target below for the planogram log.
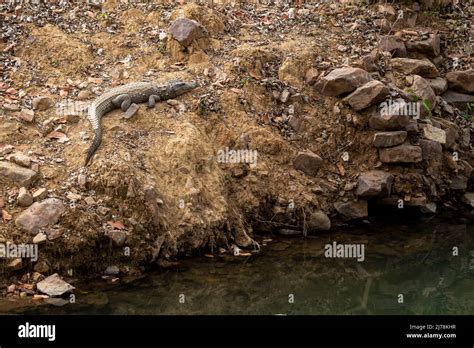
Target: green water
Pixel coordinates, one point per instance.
(414, 259)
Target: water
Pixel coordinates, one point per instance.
(414, 259)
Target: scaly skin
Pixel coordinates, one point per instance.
(139, 92)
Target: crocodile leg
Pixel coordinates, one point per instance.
(152, 100)
(123, 101)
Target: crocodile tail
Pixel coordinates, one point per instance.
(94, 146)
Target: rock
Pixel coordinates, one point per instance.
(11, 107)
(73, 118)
(54, 233)
(401, 154)
(410, 66)
(368, 62)
(289, 232)
(430, 47)
(42, 103)
(41, 267)
(461, 81)
(311, 76)
(54, 286)
(26, 115)
(389, 139)
(89, 200)
(466, 138)
(342, 80)
(428, 208)
(394, 45)
(239, 172)
(297, 123)
(37, 277)
(73, 197)
(185, 31)
(387, 122)
(308, 162)
(118, 237)
(40, 194)
(15, 264)
(469, 199)
(371, 93)
(434, 133)
(352, 210)
(452, 135)
(112, 271)
(438, 85)
(285, 94)
(131, 111)
(319, 221)
(84, 95)
(82, 181)
(24, 199)
(39, 238)
(103, 210)
(459, 182)
(467, 169)
(40, 214)
(459, 100)
(421, 89)
(20, 159)
(431, 150)
(374, 183)
(20, 175)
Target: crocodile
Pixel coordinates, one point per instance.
(123, 96)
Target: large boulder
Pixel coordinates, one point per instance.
(374, 183)
(370, 93)
(438, 85)
(185, 31)
(386, 122)
(431, 150)
(18, 174)
(342, 80)
(389, 139)
(430, 47)
(461, 81)
(352, 210)
(40, 214)
(421, 90)
(401, 154)
(410, 66)
(460, 100)
(319, 221)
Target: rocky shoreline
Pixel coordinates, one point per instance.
(343, 109)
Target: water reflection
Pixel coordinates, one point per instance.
(414, 260)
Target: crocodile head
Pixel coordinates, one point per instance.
(176, 88)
